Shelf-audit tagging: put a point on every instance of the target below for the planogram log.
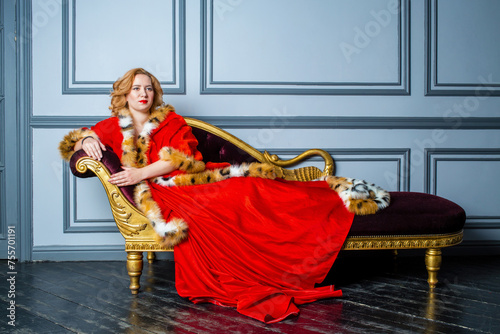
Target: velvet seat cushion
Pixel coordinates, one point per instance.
(411, 213)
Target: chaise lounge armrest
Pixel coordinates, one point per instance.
(129, 220)
(109, 160)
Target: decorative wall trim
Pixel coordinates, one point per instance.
(434, 156)
(70, 220)
(64, 122)
(72, 86)
(2, 130)
(2, 61)
(77, 220)
(24, 135)
(302, 122)
(432, 85)
(400, 156)
(210, 86)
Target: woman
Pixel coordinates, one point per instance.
(254, 243)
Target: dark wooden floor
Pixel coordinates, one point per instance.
(380, 296)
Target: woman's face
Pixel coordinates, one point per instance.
(140, 98)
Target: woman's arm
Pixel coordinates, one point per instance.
(92, 146)
(132, 175)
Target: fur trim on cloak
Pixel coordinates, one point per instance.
(181, 160)
(359, 197)
(67, 145)
(134, 155)
(254, 169)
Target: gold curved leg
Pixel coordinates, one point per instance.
(151, 257)
(134, 268)
(433, 264)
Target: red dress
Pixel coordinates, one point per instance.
(255, 244)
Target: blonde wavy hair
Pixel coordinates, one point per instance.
(123, 86)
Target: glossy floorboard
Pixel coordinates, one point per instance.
(380, 296)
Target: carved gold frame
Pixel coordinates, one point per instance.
(140, 236)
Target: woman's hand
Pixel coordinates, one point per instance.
(93, 148)
(127, 177)
(132, 175)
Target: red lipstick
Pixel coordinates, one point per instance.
(143, 101)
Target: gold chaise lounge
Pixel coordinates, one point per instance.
(413, 220)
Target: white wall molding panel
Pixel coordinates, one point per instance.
(101, 41)
(463, 48)
(465, 175)
(305, 47)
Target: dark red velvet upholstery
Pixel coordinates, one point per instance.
(410, 213)
(111, 161)
(215, 149)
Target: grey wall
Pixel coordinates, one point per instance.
(402, 94)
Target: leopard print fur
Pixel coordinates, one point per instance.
(359, 196)
(254, 169)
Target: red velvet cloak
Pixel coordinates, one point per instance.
(255, 244)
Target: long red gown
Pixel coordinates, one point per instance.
(255, 244)
(258, 245)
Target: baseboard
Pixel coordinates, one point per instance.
(87, 253)
(474, 248)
